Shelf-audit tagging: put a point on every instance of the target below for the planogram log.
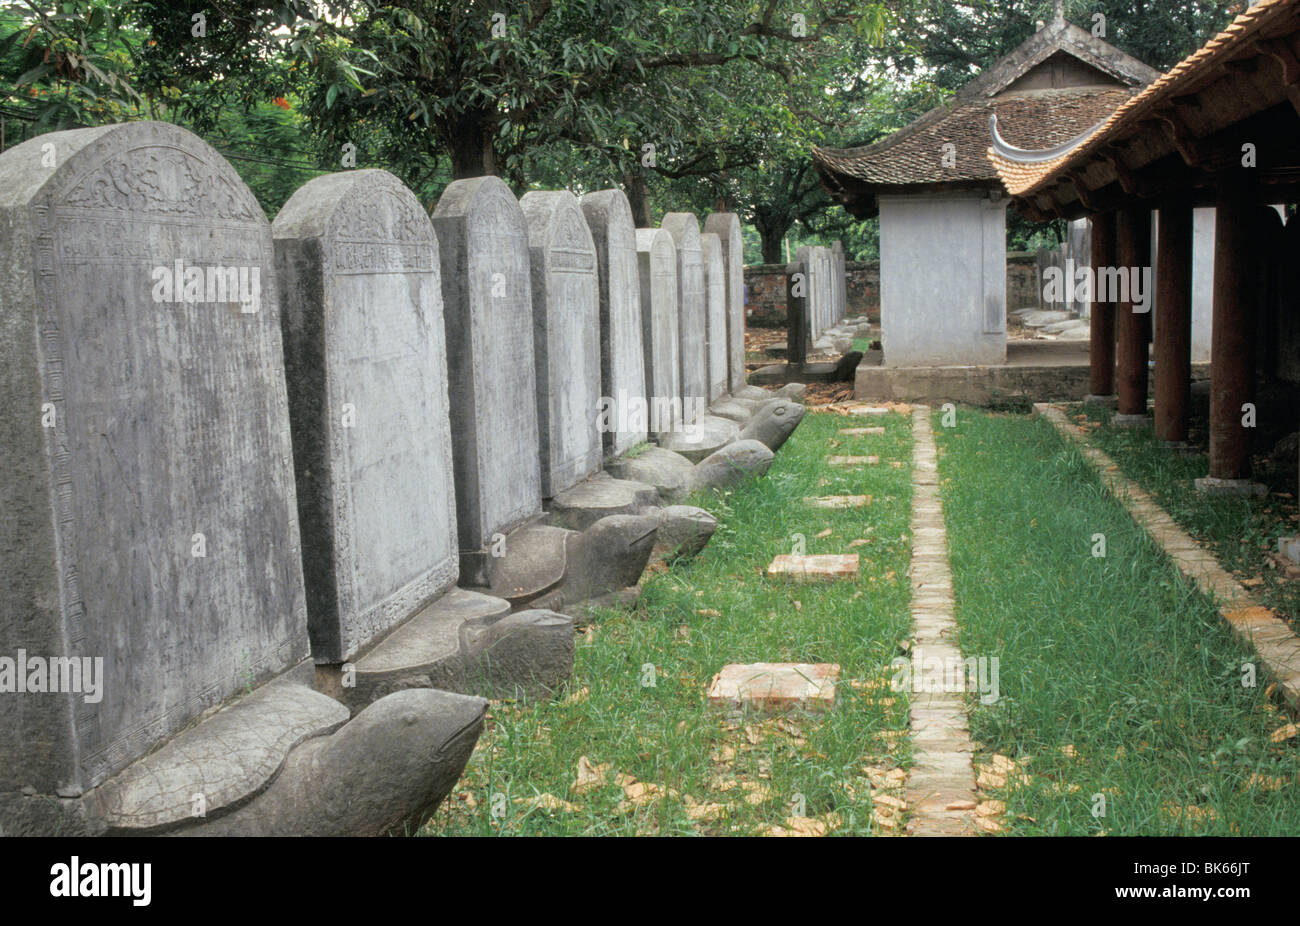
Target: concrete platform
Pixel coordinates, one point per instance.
(776, 374)
(1035, 370)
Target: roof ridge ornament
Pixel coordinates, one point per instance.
(1004, 149)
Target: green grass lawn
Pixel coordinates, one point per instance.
(1239, 531)
(715, 774)
(1117, 677)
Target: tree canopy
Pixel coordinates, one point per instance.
(684, 104)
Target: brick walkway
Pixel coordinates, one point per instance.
(1274, 641)
(941, 785)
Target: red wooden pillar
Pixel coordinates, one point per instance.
(1232, 340)
(1101, 326)
(1173, 324)
(1132, 328)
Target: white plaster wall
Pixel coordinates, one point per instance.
(1079, 247)
(1202, 282)
(943, 279)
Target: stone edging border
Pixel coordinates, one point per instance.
(940, 787)
(1274, 641)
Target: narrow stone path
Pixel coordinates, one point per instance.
(1272, 638)
(941, 786)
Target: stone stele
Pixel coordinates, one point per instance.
(365, 351)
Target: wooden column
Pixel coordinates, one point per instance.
(1101, 325)
(1133, 329)
(1232, 344)
(1267, 253)
(1173, 323)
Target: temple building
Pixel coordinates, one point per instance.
(941, 204)
(1221, 129)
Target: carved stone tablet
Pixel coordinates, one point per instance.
(150, 518)
(622, 361)
(487, 307)
(357, 264)
(566, 338)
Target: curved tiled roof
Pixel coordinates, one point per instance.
(1021, 179)
(912, 159)
(914, 155)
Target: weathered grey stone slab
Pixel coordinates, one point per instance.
(487, 305)
(423, 652)
(733, 465)
(669, 472)
(826, 297)
(153, 521)
(773, 424)
(383, 773)
(606, 558)
(692, 333)
(357, 266)
(715, 287)
(601, 496)
(797, 316)
(806, 259)
(622, 360)
(566, 338)
(840, 281)
(657, 266)
(223, 761)
(726, 225)
(701, 438)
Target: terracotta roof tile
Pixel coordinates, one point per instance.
(915, 155)
(1025, 179)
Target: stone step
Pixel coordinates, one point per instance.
(817, 566)
(853, 461)
(775, 686)
(834, 502)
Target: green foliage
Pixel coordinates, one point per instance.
(1240, 531)
(696, 616)
(1117, 656)
(948, 43)
(684, 105)
(68, 64)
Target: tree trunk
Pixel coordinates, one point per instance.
(771, 248)
(771, 237)
(771, 226)
(638, 196)
(471, 142)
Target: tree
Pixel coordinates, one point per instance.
(776, 189)
(951, 42)
(67, 64)
(488, 87)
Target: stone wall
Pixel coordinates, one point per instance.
(765, 289)
(1022, 280)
